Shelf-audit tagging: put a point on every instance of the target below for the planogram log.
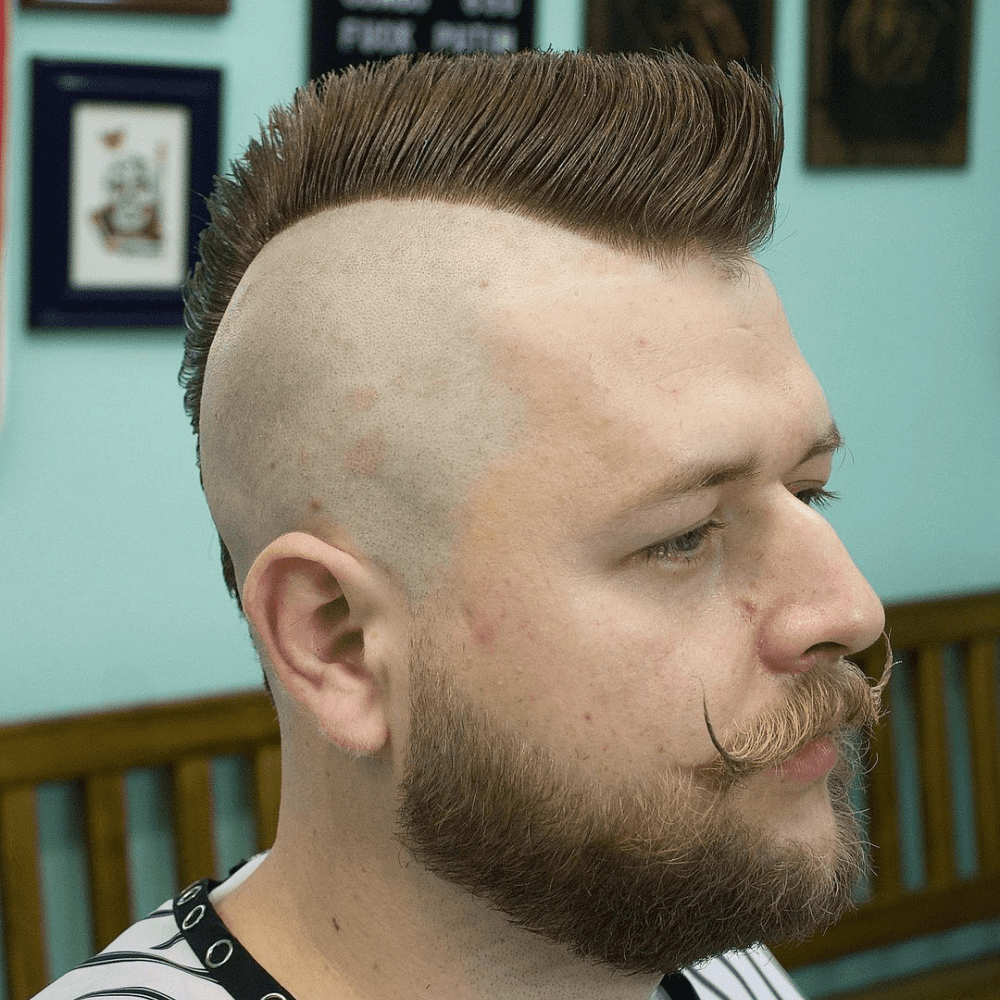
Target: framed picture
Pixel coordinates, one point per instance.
(345, 32)
(888, 83)
(122, 159)
(133, 6)
(718, 31)
(4, 50)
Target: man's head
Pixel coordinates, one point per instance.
(514, 458)
(658, 157)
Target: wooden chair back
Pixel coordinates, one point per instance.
(96, 751)
(946, 655)
(936, 641)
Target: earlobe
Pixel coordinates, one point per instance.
(310, 604)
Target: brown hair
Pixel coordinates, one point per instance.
(655, 156)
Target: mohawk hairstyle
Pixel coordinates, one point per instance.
(657, 156)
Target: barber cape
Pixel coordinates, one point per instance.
(183, 951)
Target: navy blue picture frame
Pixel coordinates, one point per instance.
(57, 87)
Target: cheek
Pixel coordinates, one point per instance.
(483, 627)
(653, 675)
(593, 666)
(509, 652)
(588, 682)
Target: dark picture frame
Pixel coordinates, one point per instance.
(888, 91)
(344, 33)
(723, 31)
(133, 6)
(123, 156)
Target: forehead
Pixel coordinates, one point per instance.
(503, 347)
(611, 332)
(630, 368)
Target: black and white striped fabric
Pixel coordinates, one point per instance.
(183, 951)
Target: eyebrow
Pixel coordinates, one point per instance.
(705, 477)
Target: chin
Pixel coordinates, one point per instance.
(807, 816)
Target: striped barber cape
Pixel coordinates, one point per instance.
(183, 951)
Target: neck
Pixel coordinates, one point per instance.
(345, 913)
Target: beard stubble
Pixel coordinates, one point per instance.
(647, 876)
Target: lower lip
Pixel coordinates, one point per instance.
(815, 760)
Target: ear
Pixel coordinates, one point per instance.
(311, 604)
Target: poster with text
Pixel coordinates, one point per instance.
(347, 32)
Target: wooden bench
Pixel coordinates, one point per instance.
(945, 650)
(97, 751)
(940, 644)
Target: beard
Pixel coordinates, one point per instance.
(644, 875)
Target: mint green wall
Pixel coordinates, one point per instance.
(891, 282)
(109, 583)
(109, 587)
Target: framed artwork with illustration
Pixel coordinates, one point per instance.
(122, 159)
(718, 31)
(4, 50)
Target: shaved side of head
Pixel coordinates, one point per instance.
(349, 391)
(330, 368)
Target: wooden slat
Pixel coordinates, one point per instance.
(883, 808)
(943, 620)
(144, 736)
(975, 980)
(880, 781)
(104, 803)
(21, 889)
(191, 786)
(935, 776)
(266, 767)
(984, 738)
(917, 913)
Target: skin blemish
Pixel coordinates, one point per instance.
(365, 456)
(588, 717)
(641, 342)
(484, 632)
(336, 926)
(363, 398)
(315, 505)
(303, 457)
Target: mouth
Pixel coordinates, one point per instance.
(814, 761)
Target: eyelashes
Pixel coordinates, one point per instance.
(684, 548)
(817, 497)
(690, 546)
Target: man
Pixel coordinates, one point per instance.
(515, 464)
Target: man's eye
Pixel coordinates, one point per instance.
(817, 497)
(684, 548)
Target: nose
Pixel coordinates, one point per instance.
(820, 606)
